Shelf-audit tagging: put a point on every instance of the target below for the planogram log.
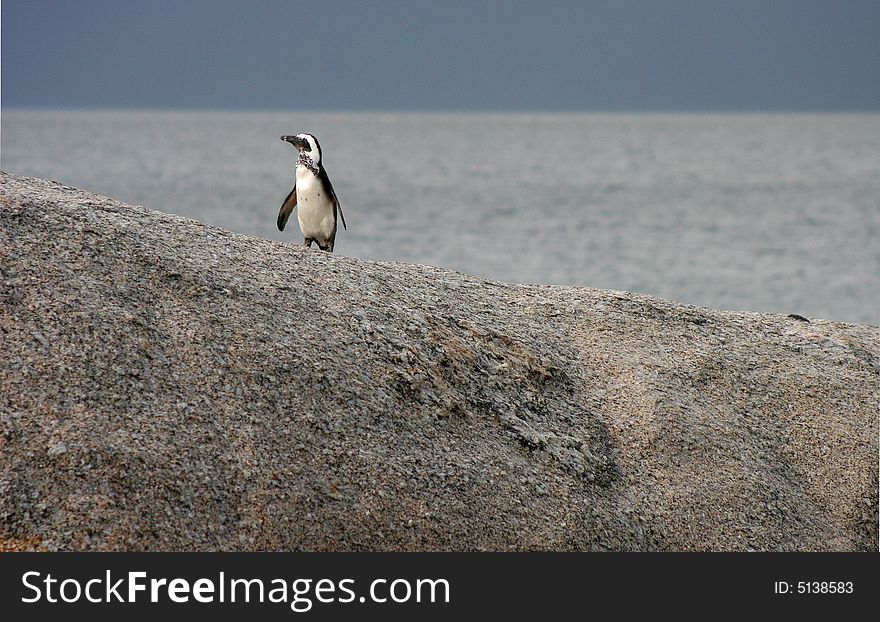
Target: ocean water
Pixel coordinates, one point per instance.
(757, 212)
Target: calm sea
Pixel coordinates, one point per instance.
(776, 212)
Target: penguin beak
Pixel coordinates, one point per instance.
(290, 139)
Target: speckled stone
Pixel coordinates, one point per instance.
(168, 385)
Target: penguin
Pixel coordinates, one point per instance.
(314, 194)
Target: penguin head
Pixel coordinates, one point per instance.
(307, 146)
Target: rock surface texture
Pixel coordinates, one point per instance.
(168, 385)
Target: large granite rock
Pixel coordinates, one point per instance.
(169, 385)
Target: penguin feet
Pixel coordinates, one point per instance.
(324, 247)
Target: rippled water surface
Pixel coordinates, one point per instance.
(752, 212)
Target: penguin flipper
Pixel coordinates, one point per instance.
(328, 188)
(287, 209)
(338, 206)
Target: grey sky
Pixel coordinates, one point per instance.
(498, 55)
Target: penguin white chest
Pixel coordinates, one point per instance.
(314, 206)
